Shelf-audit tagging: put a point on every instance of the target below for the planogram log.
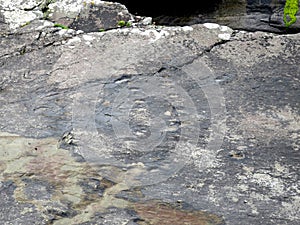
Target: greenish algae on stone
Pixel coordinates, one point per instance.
(41, 160)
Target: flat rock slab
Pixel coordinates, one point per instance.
(149, 125)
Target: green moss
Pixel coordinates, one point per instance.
(289, 13)
(123, 23)
(128, 24)
(101, 30)
(61, 26)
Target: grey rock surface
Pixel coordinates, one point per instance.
(146, 124)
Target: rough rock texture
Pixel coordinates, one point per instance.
(82, 15)
(147, 124)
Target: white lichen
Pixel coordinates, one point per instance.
(152, 33)
(88, 37)
(19, 4)
(18, 18)
(224, 36)
(211, 25)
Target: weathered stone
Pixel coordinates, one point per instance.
(148, 125)
(79, 15)
(89, 15)
(18, 13)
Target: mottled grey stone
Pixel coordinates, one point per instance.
(15, 212)
(197, 122)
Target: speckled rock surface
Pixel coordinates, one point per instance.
(82, 15)
(148, 125)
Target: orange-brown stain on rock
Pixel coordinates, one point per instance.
(157, 213)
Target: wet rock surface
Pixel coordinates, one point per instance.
(142, 123)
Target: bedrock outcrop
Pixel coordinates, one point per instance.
(137, 123)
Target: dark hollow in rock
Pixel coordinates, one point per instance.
(249, 15)
(169, 8)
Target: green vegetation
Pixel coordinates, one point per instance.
(123, 23)
(128, 24)
(61, 26)
(289, 13)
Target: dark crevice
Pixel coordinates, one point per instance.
(207, 50)
(266, 15)
(210, 48)
(123, 78)
(45, 7)
(167, 8)
(170, 8)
